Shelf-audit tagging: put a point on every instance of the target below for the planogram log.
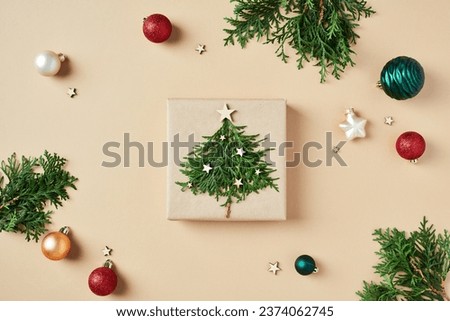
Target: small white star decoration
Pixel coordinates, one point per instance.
(206, 168)
(258, 171)
(72, 92)
(353, 126)
(200, 49)
(189, 185)
(238, 183)
(106, 251)
(240, 151)
(388, 120)
(222, 137)
(273, 267)
(225, 113)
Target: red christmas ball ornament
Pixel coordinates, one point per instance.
(157, 28)
(410, 145)
(103, 280)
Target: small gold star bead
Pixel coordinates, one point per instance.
(106, 251)
(72, 92)
(200, 49)
(388, 120)
(273, 267)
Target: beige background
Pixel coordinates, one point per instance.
(123, 83)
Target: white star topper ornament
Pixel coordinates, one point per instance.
(353, 126)
(225, 113)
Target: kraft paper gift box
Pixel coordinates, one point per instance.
(196, 118)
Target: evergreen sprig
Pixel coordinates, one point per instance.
(412, 268)
(228, 166)
(318, 30)
(32, 183)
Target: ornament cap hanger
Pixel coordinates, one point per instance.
(65, 230)
(61, 57)
(350, 111)
(108, 263)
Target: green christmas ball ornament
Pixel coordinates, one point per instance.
(305, 265)
(402, 78)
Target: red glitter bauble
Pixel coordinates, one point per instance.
(102, 281)
(157, 28)
(410, 145)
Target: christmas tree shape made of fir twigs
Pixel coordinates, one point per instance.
(228, 165)
(412, 268)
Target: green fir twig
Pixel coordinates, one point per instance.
(317, 30)
(33, 183)
(412, 268)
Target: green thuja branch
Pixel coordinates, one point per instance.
(319, 30)
(32, 184)
(412, 267)
(232, 175)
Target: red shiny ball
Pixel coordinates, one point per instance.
(102, 281)
(410, 145)
(157, 28)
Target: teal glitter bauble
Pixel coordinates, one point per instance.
(305, 265)
(402, 78)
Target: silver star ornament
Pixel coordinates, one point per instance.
(353, 126)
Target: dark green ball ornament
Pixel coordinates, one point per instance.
(402, 78)
(305, 265)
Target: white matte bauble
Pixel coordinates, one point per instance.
(48, 63)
